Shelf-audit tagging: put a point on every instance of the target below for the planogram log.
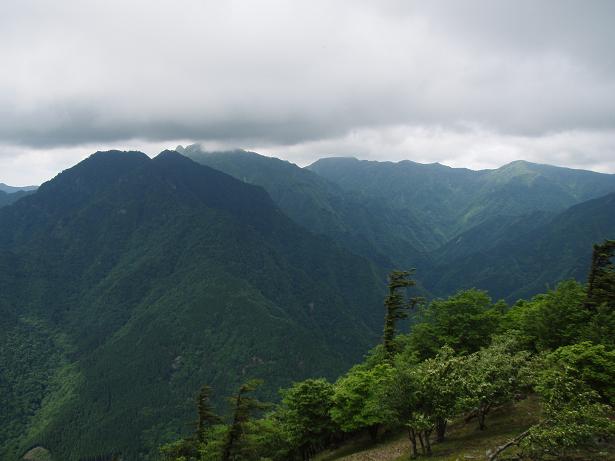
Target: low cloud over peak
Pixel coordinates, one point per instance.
(468, 83)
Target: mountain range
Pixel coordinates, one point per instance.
(453, 224)
(127, 282)
(10, 194)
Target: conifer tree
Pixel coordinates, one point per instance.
(601, 281)
(244, 407)
(207, 417)
(396, 306)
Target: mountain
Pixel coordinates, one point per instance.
(10, 189)
(6, 198)
(462, 214)
(531, 257)
(128, 282)
(454, 200)
(492, 232)
(365, 225)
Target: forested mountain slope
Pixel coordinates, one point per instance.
(532, 257)
(376, 204)
(6, 198)
(128, 282)
(366, 225)
(453, 200)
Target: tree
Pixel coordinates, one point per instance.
(358, 399)
(573, 416)
(402, 398)
(244, 408)
(189, 448)
(601, 280)
(552, 319)
(593, 364)
(272, 438)
(440, 390)
(423, 396)
(306, 408)
(206, 415)
(465, 321)
(396, 307)
(493, 376)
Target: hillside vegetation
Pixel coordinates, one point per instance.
(137, 295)
(126, 282)
(514, 231)
(473, 378)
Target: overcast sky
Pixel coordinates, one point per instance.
(464, 83)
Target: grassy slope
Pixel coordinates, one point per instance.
(464, 440)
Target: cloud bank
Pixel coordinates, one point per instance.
(467, 83)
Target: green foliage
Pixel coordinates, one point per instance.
(236, 446)
(440, 384)
(305, 412)
(272, 438)
(553, 319)
(593, 364)
(493, 376)
(424, 396)
(601, 326)
(206, 415)
(396, 307)
(149, 277)
(573, 417)
(601, 280)
(358, 398)
(464, 322)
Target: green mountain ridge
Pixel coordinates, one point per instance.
(128, 282)
(533, 259)
(454, 200)
(133, 281)
(497, 208)
(364, 225)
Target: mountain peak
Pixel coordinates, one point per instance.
(116, 154)
(170, 155)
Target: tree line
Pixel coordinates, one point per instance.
(464, 356)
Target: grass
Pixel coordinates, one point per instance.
(463, 440)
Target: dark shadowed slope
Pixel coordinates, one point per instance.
(6, 198)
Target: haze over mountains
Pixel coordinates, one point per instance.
(127, 282)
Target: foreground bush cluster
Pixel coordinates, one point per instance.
(464, 356)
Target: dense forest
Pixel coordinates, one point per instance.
(464, 356)
(131, 286)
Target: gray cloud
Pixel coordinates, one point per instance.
(290, 75)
